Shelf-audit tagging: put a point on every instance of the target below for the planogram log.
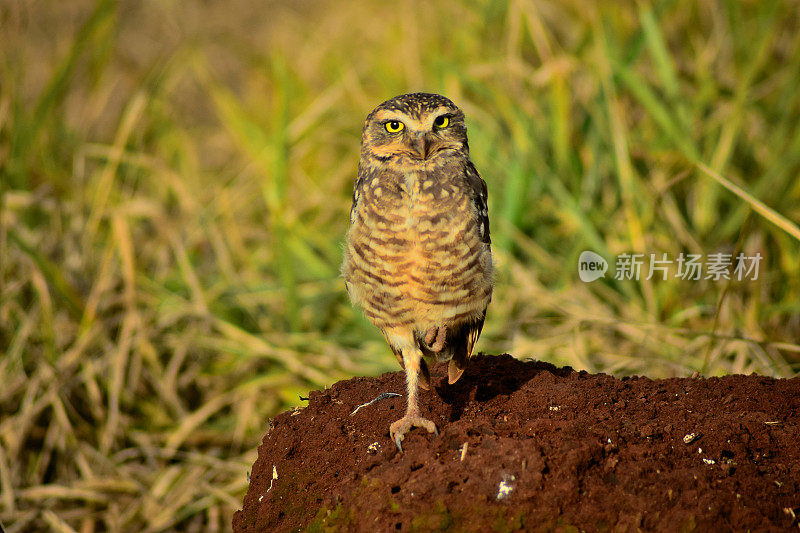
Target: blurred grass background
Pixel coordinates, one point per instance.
(176, 180)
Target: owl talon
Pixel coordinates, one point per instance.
(399, 428)
(397, 440)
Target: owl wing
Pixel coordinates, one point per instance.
(464, 340)
(478, 193)
(357, 193)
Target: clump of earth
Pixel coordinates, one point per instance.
(529, 446)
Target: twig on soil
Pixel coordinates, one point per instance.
(381, 396)
(271, 481)
(274, 477)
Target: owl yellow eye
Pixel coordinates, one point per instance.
(442, 121)
(393, 126)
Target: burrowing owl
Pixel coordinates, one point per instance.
(417, 257)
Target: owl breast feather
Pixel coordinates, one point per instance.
(414, 251)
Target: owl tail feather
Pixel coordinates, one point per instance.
(462, 345)
(454, 370)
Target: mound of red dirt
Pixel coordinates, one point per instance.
(528, 446)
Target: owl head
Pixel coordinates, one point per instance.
(418, 126)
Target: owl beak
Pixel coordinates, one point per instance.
(422, 143)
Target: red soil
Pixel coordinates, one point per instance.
(528, 446)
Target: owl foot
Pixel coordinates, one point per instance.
(399, 428)
(435, 338)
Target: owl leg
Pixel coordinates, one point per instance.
(412, 361)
